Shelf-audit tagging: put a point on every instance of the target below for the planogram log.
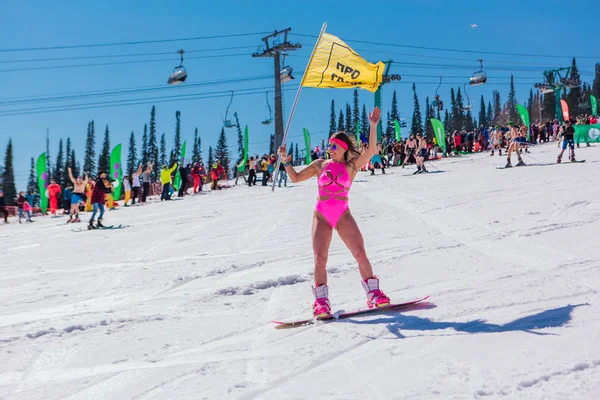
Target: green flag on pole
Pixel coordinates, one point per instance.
(116, 170)
(242, 165)
(307, 159)
(594, 103)
(397, 129)
(524, 114)
(587, 133)
(43, 179)
(177, 181)
(440, 133)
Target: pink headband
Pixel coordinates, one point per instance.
(339, 142)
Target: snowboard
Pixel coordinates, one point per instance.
(100, 229)
(344, 315)
(568, 162)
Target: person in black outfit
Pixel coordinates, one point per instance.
(568, 134)
(183, 174)
(3, 210)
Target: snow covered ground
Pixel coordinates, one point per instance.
(178, 305)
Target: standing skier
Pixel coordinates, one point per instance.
(77, 197)
(53, 192)
(515, 140)
(98, 199)
(421, 153)
(335, 177)
(568, 136)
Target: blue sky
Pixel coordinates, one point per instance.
(503, 26)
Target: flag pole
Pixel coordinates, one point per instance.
(289, 121)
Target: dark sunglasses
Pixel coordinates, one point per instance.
(333, 147)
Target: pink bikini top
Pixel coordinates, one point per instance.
(334, 182)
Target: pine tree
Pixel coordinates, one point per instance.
(48, 156)
(348, 128)
(364, 122)
(132, 162)
(460, 119)
(68, 163)
(32, 182)
(153, 144)
(341, 124)
(355, 111)
(489, 115)
(176, 152)
(530, 105)
(332, 125)
(144, 149)
(389, 127)
(575, 94)
(8, 176)
(482, 115)
(446, 120)
(296, 153)
(163, 149)
(596, 83)
(454, 123)
(429, 113)
(104, 158)
(497, 107)
(511, 102)
(272, 144)
(89, 163)
(417, 119)
(394, 110)
(211, 160)
(240, 139)
(469, 124)
(76, 167)
(222, 150)
(196, 155)
(549, 106)
(59, 167)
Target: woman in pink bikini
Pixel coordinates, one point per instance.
(335, 177)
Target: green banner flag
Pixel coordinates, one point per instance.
(397, 128)
(587, 133)
(524, 114)
(116, 170)
(242, 165)
(177, 181)
(440, 133)
(43, 179)
(307, 159)
(594, 103)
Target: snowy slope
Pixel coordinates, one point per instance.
(178, 305)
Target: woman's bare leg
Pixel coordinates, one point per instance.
(321, 239)
(350, 234)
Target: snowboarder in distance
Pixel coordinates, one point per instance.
(335, 177)
(568, 135)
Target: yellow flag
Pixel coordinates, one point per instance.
(335, 65)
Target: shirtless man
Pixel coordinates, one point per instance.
(409, 148)
(515, 140)
(523, 135)
(421, 153)
(77, 196)
(496, 139)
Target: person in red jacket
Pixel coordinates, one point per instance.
(53, 193)
(196, 177)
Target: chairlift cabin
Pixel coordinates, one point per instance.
(545, 88)
(286, 74)
(479, 77)
(270, 119)
(179, 74)
(227, 123)
(437, 102)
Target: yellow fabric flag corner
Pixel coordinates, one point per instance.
(335, 65)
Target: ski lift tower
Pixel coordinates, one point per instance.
(275, 50)
(386, 79)
(550, 85)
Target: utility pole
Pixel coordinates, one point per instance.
(275, 50)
